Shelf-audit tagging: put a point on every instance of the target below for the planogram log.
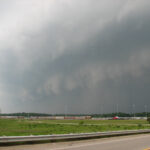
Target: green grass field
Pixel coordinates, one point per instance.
(18, 127)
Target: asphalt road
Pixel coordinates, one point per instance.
(134, 142)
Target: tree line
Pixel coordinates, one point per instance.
(120, 114)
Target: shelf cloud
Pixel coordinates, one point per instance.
(62, 56)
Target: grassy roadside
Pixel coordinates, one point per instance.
(18, 127)
(115, 122)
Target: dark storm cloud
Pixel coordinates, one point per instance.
(74, 56)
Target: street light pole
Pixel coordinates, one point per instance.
(117, 109)
(133, 110)
(66, 110)
(145, 109)
(101, 109)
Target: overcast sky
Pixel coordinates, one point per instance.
(74, 56)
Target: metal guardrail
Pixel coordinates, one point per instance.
(14, 139)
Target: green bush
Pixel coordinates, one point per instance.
(139, 125)
(148, 119)
(81, 122)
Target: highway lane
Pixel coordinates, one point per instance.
(133, 142)
(123, 143)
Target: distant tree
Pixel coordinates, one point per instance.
(148, 119)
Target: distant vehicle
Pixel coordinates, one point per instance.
(115, 118)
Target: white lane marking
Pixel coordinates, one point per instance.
(113, 140)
